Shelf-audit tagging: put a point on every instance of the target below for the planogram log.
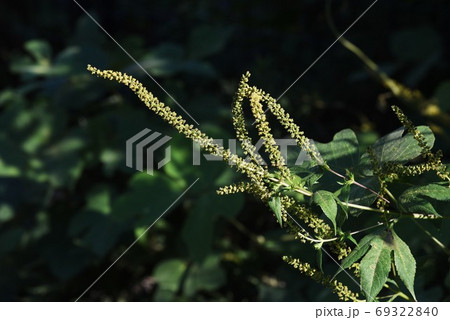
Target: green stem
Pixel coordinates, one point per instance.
(435, 240)
(397, 293)
(356, 183)
(308, 193)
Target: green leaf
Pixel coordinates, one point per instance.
(375, 267)
(319, 260)
(198, 229)
(40, 50)
(206, 40)
(134, 208)
(65, 259)
(405, 264)
(442, 95)
(6, 213)
(99, 199)
(326, 201)
(10, 239)
(275, 205)
(342, 152)
(342, 197)
(206, 276)
(227, 206)
(319, 256)
(163, 61)
(197, 232)
(169, 274)
(95, 230)
(398, 147)
(415, 44)
(357, 253)
(431, 199)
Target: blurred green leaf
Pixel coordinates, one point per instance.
(414, 44)
(39, 49)
(168, 274)
(96, 231)
(198, 229)
(6, 212)
(65, 260)
(442, 95)
(99, 199)
(147, 198)
(207, 40)
(206, 276)
(10, 239)
(165, 60)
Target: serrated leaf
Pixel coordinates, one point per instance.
(357, 253)
(431, 199)
(405, 264)
(375, 267)
(275, 205)
(326, 201)
(342, 152)
(398, 147)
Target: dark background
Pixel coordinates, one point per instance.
(68, 204)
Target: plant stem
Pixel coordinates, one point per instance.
(308, 193)
(435, 240)
(397, 293)
(356, 183)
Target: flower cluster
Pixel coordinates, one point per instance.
(390, 171)
(342, 291)
(434, 160)
(261, 182)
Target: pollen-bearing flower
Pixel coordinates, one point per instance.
(265, 182)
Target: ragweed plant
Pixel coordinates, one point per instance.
(313, 200)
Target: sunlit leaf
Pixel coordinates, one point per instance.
(375, 267)
(405, 264)
(428, 199)
(398, 147)
(326, 201)
(357, 252)
(342, 152)
(275, 205)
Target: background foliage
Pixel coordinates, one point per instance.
(68, 204)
